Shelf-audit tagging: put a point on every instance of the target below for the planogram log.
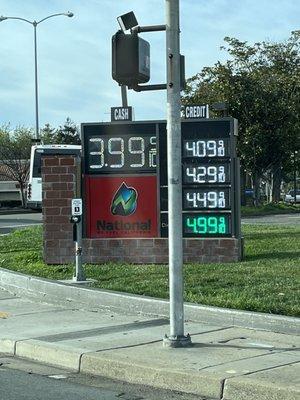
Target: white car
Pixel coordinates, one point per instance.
(290, 197)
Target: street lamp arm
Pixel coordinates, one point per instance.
(68, 14)
(21, 19)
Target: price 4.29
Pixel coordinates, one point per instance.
(206, 174)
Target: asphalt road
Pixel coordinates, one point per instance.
(25, 380)
(10, 222)
(278, 219)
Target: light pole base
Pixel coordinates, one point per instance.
(177, 341)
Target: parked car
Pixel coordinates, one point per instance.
(290, 196)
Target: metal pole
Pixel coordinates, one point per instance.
(37, 133)
(124, 96)
(295, 178)
(176, 338)
(79, 274)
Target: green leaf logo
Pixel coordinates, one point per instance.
(125, 201)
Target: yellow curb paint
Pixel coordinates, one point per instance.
(3, 315)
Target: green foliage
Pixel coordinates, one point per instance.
(15, 146)
(261, 84)
(267, 281)
(65, 134)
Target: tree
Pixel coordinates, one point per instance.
(15, 149)
(48, 134)
(261, 84)
(66, 134)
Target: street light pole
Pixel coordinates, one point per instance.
(37, 129)
(35, 24)
(176, 338)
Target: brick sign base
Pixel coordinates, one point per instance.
(59, 187)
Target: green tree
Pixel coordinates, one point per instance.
(68, 133)
(261, 84)
(48, 134)
(15, 147)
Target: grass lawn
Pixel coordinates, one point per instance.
(268, 280)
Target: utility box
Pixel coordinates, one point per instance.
(130, 59)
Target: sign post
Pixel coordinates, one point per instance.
(77, 237)
(176, 337)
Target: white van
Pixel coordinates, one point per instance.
(34, 188)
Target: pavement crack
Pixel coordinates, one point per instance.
(10, 298)
(240, 359)
(266, 369)
(213, 330)
(229, 340)
(222, 388)
(129, 346)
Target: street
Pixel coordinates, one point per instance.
(25, 380)
(277, 219)
(10, 222)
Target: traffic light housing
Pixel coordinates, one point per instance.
(130, 59)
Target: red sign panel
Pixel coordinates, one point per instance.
(121, 206)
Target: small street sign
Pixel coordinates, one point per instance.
(76, 207)
(121, 114)
(191, 111)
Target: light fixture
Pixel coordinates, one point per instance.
(127, 21)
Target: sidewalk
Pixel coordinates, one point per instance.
(225, 362)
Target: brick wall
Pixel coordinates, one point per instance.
(59, 180)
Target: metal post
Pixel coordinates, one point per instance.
(176, 338)
(79, 274)
(124, 96)
(37, 133)
(295, 179)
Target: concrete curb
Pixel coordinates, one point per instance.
(81, 297)
(207, 385)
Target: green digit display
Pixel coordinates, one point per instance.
(202, 225)
(222, 227)
(207, 225)
(212, 223)
(192, 223)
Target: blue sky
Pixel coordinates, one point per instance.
(74, 54)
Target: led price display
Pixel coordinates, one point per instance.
(206, 173)
(206, 148)
(124, 152)
(210, 198)
(206, 225)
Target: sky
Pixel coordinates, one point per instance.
(74, 54)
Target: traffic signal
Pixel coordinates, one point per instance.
(130, 59)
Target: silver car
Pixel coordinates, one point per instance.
(290, 197)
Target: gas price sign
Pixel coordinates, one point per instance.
(195, 172)
(120, 174)
(107, 154)
(126, 185)
(206, 224)
(206, 148)
(208, 198)
(210, 191)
